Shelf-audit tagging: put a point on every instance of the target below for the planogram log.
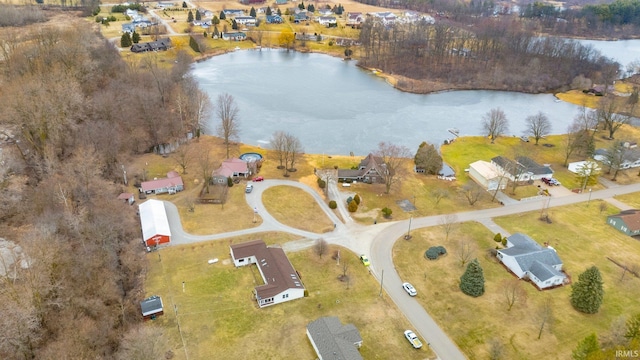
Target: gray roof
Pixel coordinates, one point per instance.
(521, 240)
(533, 167)
(543, 271)
(333, 340)
(527, 251)
(151, 305)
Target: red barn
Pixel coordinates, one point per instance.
(154, 222)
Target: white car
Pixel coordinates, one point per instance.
(413, 339)
(409, 289)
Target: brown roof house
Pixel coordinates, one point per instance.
(230, 168)
(627, 221)
(171, 184)
(281, 280)
(371, 170)
(333, 341)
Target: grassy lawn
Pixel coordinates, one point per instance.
(630, 199)
(217, 315)
(472, 322)
(300, 210)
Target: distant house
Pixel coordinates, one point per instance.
(234, 36)
(165, 5)
(331, 340)
(281, 281)
(233, 12)
(325, 12)
(154, 223)
(528, 260)
(171, 184)
(127, 198)
(371, 169)
(627, 222)
(246, 20)
(274, 19)
(231, 168)
(128, 28)
(151, 307)
(522, 169)
(487, 175)
(161, 44)
(281, 2)
(300, 17)
(327, 20)
(580, 167)
(355, 19)
(600, 155)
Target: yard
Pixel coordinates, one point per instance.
(216, 314)
(577, 233)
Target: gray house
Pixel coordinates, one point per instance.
(522, 168)
(528, 260)
(151, 307)
(333, 341)
(627, 222)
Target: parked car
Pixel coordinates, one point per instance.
(258, 178)
(524, 138)
(551, 181)
(413, 339)
(249, 188)
(364, 260)
(409, 289)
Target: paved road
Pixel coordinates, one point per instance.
(376, 241)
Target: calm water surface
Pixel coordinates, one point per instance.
(334, 107)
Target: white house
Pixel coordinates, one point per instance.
(281, 280)
(327, 20)
(487, 175)
(355, 18)
(171, 184)
(233, 12)
(584, 167)
(522, 169)
(246, 20)
(528, 260)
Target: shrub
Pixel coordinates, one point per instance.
(349, 200)
(497, 238)
(357, 199)
(229, 181)
(321, 183)
(504, 241)
(434, 252)
(333, 204)
(353, 207)
(386, 212)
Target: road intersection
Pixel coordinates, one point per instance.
(377, 240)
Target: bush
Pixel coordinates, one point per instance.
(434, 252)
(504, 241)
(321, 183)
(229, 181)
(349, 200)
(386, 212)
(194, 44)
(333, 204)
(353, 207)
(497, 238)
(357, 199)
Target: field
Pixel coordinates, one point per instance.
(578, 233)
(215, 313)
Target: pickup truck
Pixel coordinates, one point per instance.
(413, 339)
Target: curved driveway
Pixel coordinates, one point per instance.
(377, 242)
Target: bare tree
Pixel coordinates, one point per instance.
(393, 158)
(182, 156)
(278, 145)
(206, 167)
(448, 223)
(472, 192)
(428, 159)
(293, 148)
(143, 342)
(616, 155)
(608, 117)
(465, 251)
(320, 247)
(513, 292)
(495, 123)
(439, 194)
(538, 126)
(603, 206)
(192, 106)
(543, 316)
(229, 127)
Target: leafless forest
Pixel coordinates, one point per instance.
(493, 54)
(72, 112)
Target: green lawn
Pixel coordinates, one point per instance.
(217, 315)
(581, 237)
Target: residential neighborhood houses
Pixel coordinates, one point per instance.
(281, 282)
(627, 222)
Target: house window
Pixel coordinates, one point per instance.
(284, 296)
(241, 260)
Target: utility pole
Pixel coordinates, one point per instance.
(381, 281)
(408, 236)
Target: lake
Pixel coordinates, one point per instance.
(334, 107)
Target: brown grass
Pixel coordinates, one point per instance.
(294, 207)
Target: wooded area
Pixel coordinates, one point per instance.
(73, 113)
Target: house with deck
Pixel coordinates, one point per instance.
(627, 222)
(371, 170)
(333, 340)
(281, 281)
(527, 259)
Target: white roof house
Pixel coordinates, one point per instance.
(580, 167)
(487, 175)
(154, 223)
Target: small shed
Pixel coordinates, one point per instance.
(127, 198)
(151, 307)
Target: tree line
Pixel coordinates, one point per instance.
(494, 54)
(74, 113)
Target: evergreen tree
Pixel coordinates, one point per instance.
(216, 33)
(205, 34)
(279, 12)
(222, 15)
(215, 20)
(472, 281)
(268, 11)
(587, 293)
(135, 37)
(198, 15)
(184, 4)
(633, 328)
(301, 5)
(190, 17)
(125, 40)
(586, 347)
(252, 12)
(311, 8)
(234, 25)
